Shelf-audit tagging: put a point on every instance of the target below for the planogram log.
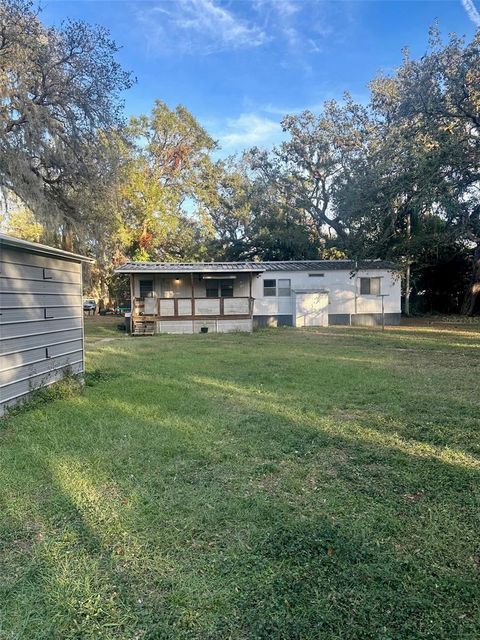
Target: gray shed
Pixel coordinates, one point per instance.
(41, 317)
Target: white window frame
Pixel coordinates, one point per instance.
(274, 288)
(281, 288)
(370, 278)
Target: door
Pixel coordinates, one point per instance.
(311, 309)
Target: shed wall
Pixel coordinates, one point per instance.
(41, 321)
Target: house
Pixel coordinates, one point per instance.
(237, 296)
(41, 317)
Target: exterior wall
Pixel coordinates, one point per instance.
(345, 303)
(311, 309)
(344, 299)
(195, 326)
(374, 319)
(273, 321)
(41, 321)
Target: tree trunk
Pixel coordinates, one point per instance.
(407, 290)
(67, 238)
(408, 271)
(471, 304)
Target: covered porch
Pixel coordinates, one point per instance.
(192, 302)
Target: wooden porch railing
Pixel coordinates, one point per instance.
(198, 308)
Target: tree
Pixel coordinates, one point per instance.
(315, 159)
(59, 90)
(21, 223)
(226, 209)
(164, 175)
(435, 102)
(249, 219)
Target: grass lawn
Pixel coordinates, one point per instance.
(285, 484)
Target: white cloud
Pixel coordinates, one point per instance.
(281, 7)
(196, 26)
(472, 11)
(202, 27)
(249, 129)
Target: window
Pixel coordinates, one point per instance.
(219, 288)
(284, 287)
(211, 289)
(146, 286)
(226, 288)
(370, 286)
(269, 288)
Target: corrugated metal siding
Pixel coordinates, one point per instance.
(41, 321)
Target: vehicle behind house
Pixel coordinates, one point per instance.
(89, 304)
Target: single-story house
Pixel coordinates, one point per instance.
(237, 296)
(41, 317)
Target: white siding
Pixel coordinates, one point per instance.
(214, 326)
(236, 306)
(174, 326)
(226, 326)
(311, 309)
(207, 307)
(41, 321)
(166, 307)
(343, 291)
(342, 287)
(184, 307)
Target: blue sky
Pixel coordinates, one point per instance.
(239, 65)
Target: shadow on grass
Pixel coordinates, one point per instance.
(207, 507)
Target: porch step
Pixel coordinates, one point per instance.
(144, 329)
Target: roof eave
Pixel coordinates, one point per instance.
(43, 249)
(175, 271)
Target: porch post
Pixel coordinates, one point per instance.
(132, 301)
(193, 294)
(250, 294)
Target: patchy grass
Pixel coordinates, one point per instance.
(67, 387)
(97, 327)
(284, 484)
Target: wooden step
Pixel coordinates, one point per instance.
(143, 329)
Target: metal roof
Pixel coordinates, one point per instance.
(35, 247)
(253, 267)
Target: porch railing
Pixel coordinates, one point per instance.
(191, 308)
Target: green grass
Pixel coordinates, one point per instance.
(285, 484)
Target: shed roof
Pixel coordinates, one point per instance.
(35, 247)
(253, 267)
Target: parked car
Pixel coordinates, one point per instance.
(122, 309)
(89, 305)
